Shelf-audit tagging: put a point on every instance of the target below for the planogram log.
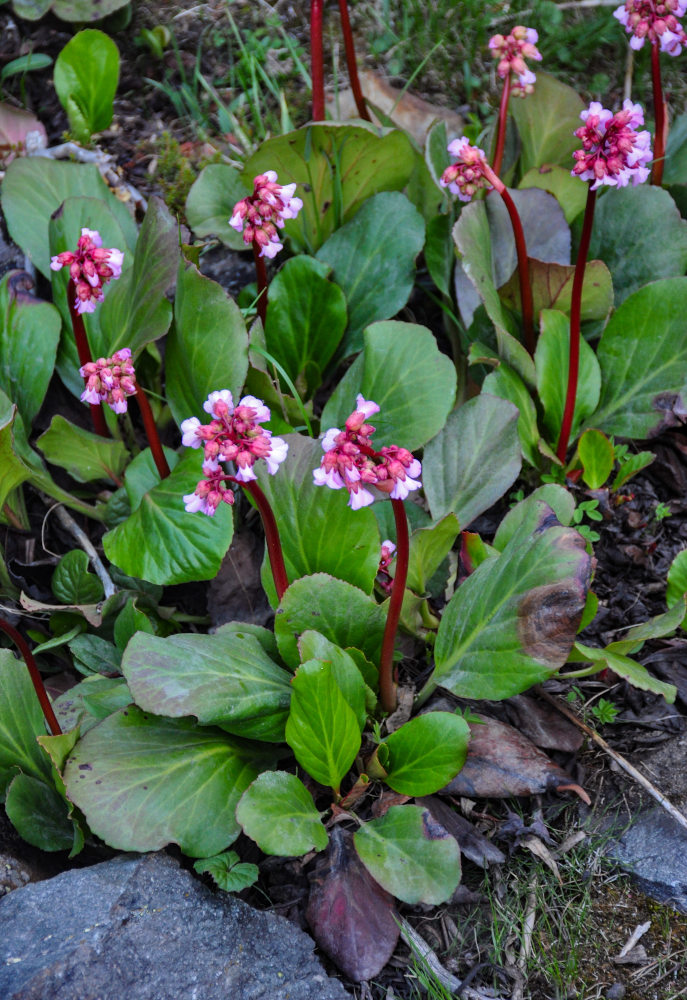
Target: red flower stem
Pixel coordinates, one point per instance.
(151, 433)
(274, 550)
(84, 352)
(387, 687)
(351, 63)
(575, 309)
(526, 301)
(261, 276)
(659, 116)
(34, 673)
(316, 60)
(501, 134)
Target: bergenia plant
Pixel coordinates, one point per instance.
(512, 51)
(234, 435)
(613, 154)
(659, 23)
(259, 217)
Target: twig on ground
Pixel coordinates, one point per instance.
(419, 947)
(620, 760)
(68, 522)
(637, 933)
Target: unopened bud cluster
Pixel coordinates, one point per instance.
(262, 214)
(613, 152)
(110, 380)
(351, 463)
(466, 176)
(657, 21)
(512, 51)
(90, 268)
(233, 435)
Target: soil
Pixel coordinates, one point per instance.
(161, 154)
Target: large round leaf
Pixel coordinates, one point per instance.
(473, 460)
(210, 203)
(410, 855)
(228, 680)
(278, 813)
(340, 612)
(426, 752)
(404, 372)
(546, 122)
(373, 260)
(144, 782)
(643, 358)
(162, 543)
(514, 620)
(207, 348)
(319, 532)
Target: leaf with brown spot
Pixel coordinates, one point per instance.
(352, 918)
(502, 762)
(514, 620)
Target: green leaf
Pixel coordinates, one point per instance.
(86, 456)
(677, 581)
(426, 753)
(39, 814)
(228, 872)
(278, 813)
(657, 627)
(404, 372)
(306, 320)
(646, 220)
(318, 531)
(514, 620)
(439, 252)
(628, 669)
(337, 168)
(29, 334)
(83, 11)
(143, 782)
(558, 181)
(210, 203)
(630, 467)
(473, 460)
(163, 544)
(428, 549)
(73, 583)
(373, 260)
(410, 855)
(546, 122)
(560, 500)
(142, 475)
(597, 457)
(339, 611)
(136, 311)
(345, 669)
(129, 621)
(507, 384)
(228, 680)
(552, 284)
(95, 655)
(643, 359)
(87, 72)
(551, 363)
(322, 729)
(35, 187)
(21, 721)
(204, 318)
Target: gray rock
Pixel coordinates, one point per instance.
(653, 849)
(142, 928)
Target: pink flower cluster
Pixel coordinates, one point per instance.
(233, 435)
(613, 152)
(260, 215)
(352, 463)
(656, 20)
(385, 559)
(512, 51)
(110, 380)
(90, 268)
(466, 176)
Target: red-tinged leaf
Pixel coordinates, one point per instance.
(352, 918)
(502, 762)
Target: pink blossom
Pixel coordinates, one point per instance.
(656, 20)
(233, 435)
(613, 152)
(110, 380)
(466, 176)
(260, 215)
(90, 268)
(350, 462)
(511, 51)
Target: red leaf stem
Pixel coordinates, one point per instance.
(351, 63)
(659, 116)
(387, 687)
(274, 549)
(316, 60)
(35, 676)
(151, 433)
(501, 134)
(84, 351)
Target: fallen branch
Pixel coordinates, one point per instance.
(620, 761)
